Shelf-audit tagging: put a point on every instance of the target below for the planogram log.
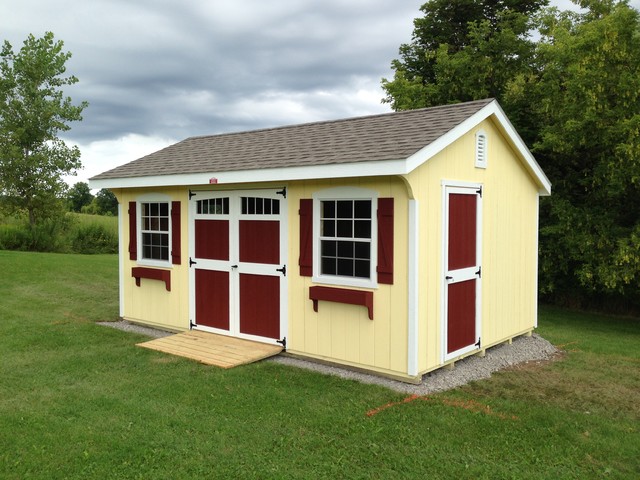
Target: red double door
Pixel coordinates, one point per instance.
(463, 270)
(238, 263)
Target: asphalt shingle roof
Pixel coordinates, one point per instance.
(390, 136)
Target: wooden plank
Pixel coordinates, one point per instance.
(212, 349)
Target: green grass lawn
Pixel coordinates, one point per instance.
(78, 400)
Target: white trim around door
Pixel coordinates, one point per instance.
(468, 273)
(222, 258)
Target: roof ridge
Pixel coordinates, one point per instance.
(369, 138)
(484, 101)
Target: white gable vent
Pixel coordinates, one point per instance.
(481, 149)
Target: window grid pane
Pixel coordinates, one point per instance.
(155, 231)
(213, 206)
(345, 238)
(260, 206)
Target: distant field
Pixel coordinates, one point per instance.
(75, 233)
(109, 222)
(81, 401)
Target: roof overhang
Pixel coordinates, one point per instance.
(401, 166)
(507, 129)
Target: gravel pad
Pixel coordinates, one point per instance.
(523, 350)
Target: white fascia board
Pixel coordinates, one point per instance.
(435, 147)
(400, 166)
(519, 144)
(341, 170)
(493, 108)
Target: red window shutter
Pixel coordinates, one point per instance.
(385, 240)
(306, 237)
(175, 233)
(133, 235)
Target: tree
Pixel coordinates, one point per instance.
(107, 202)
(78, 196)
(585, 102)
(33, 112)
(462, 50)
(576, 101)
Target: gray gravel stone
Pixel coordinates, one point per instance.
(132, 327)
(523, 350)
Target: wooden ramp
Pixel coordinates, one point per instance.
(212, 349)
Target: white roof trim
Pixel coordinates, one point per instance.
(493, 108)
(344, 170)
(520, 146)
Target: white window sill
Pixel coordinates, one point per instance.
(344, 281)
(153, 263)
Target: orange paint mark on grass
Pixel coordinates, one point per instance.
(408, 399)
(469, 405)
(473, 406)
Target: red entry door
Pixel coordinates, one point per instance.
(462, 270)
(238, 273)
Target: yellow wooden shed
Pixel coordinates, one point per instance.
(393, 243)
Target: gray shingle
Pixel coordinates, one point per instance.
(390, 136)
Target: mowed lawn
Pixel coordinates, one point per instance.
(80, 401)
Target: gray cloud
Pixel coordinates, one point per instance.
(174, 69)
(158, 71)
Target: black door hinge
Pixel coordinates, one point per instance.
(283, 192)
(479, 272)
(479, 192)
(191, 262)
(282, 270)
(283, 342)
(191, 194)
(192, 325)
(477, 344)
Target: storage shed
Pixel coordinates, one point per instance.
(394, 243)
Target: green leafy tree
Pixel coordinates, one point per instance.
(574, 95)
(78, 196)
(584, 102)
(33, 112)
(107, 202)
(462, 50)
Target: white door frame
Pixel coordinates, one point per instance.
(465, 188)
(233, 265)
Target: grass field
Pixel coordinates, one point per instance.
(80, 401)
(73, 233)
(108, 222)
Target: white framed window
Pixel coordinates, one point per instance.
(481, 149)
(154, 218)
(154, 230)
(345, 237)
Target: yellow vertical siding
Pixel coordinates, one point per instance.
(151, 303)
(344, 333)
(509, 240)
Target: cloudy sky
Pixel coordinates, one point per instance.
(157, 71)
